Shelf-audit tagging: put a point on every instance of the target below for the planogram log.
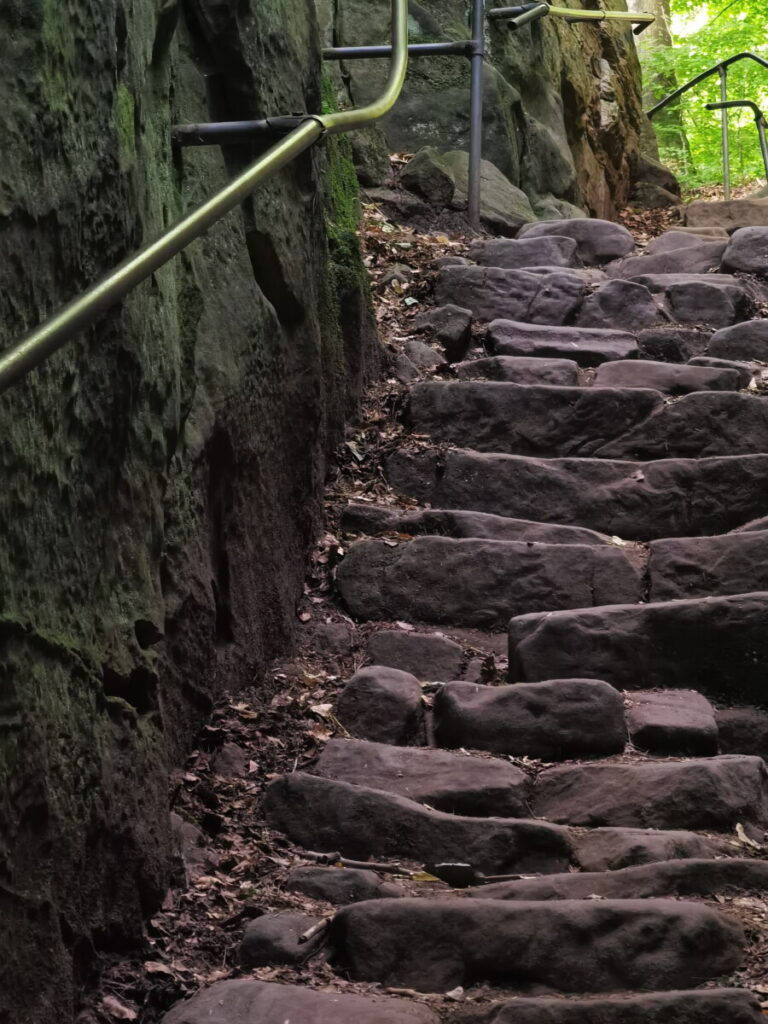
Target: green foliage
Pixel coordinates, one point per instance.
(704, 33)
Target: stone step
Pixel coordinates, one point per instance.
(718, 300)
(585, 346)
(519, 253)
(716, 645)
(687, 567)
(480, 582)
(488, 293)
(598, 241)
(623, 305)
(247, 1001)
(360, 823)
(612, 849)
(747, 340)
(673, 344)
(705, 794)
(429, 656)
(697, 1006)
(678, 238)
(668, 378)
(456, 523)
(632, 500)
(744, 370)
(664, 878)
(553, 721)
(613, 423)
(672, 722)
(521, 370)
(567, 946)
(454, 783)
(699, 256)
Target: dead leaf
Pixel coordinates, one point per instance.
(118, 1010)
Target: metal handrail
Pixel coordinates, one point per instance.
(760, 123)
(721, 69)
(524, 14)
(53, 333)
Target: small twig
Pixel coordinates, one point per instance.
(364, 865)
(316, 929)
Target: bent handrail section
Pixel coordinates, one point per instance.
(53, 333)
(716, 69)
(526, 13)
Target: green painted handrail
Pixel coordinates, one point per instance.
(51, 335)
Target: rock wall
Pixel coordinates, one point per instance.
(563, 102)
(162, 475)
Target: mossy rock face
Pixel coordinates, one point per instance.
(563, 104)
(163, 472)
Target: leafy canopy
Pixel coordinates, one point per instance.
(703, 34)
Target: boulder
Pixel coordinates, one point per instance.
(273, 940)
(673, 344)
(427, 656)
(382, 704)
(621, 305)
(361, 823)
(423, 356)
(717, 645)
(504, 207)
(568, 945)
(490, 293)
(340, 886)
(672, 723)
(598, 241)
(451, 326)
(246, 1001)
(552, 721)
(709, 794)
(404, 370)
(481, 583)
(427, 175)
(585, 346)
(748, 340)
(454, 783)
(648, 196)
(747, 251)
(521, 370)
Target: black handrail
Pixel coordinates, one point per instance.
(714, 70)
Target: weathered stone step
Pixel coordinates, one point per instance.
(459, 524)
(633, 500)
(480, 582)
(668, 378)
(747, 340)
(716, 645)
(613, 423)
(552, 297)
(583, 345)
(521, 370)
(454, 783)
(718, 300)
(710, 1006)
(697, 256)
(568, 946)
(247, 1001)
(519, 253)
(672, 722)
(686, 567)
(360, 822)
(665, 878)
(553, 721)
(612, 849)
(598, 241)
(711, 794)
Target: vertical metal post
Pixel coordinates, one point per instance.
(476, 112)
(724, 123)
(760, 121)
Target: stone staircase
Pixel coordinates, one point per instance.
(592, 482)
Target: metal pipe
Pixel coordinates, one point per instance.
(460, 48)
(746, 55)
(759, 122)
(46, 339)
(220, 133)
(476, 114)
(524, 16)
(723, 72)
(526, 13)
